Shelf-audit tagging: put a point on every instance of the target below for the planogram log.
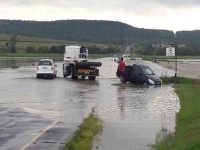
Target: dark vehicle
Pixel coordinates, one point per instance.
(141, 74)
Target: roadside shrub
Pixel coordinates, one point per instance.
(43, 50)
(30, 49)
(57, 49)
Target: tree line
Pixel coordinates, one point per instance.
(192, 50)
(61, 49)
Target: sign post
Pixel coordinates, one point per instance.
(171, 51)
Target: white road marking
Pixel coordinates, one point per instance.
(35, 138)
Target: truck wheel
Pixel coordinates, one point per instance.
(83, 77)
(64, 75)
(68, 70)
(74, 77)
(72, 74)
(92, 77)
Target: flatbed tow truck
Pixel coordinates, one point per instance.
(76, 63)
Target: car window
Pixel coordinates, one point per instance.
(46, 63)
(147, 71)
(137, 70)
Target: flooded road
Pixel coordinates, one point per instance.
(43, 114)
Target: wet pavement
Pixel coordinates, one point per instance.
(43, 114)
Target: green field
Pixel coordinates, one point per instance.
(187, 133)
(37, 42)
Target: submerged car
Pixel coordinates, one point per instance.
(141, 74)
(46, 68)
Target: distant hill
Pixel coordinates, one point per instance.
(106, 32)
(189, 37)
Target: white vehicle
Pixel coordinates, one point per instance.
(46, 68)
(76, 63)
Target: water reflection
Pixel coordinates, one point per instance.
(137, 115)
(16, 62)
(121, 101)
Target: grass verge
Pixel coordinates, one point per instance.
(187, 133)
(84, 136)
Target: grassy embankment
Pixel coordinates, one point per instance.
(83, 138)
(187, 134)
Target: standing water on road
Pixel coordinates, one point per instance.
(132, 115)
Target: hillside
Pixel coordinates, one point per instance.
(107, 32)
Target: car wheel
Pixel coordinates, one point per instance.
(122, 79)
(52, 76)
(145, 84)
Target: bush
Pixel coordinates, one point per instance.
(30, 49)
(43, 50)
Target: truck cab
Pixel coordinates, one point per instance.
(75, 54)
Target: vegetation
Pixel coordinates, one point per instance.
(149, 49)
(182, 80)
(29, 55)
(65, 32)
(95, 56)
(106, 32)
(83, 138)
(187, 134)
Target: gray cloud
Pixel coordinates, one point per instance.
(104, 4)
(177, 3)
(158, 13)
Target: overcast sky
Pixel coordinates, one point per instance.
(176, 15)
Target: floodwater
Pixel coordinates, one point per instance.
(16, 62)
(132, 115)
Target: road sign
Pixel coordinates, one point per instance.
(170, 51)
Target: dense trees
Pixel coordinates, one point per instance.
(60, 50)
